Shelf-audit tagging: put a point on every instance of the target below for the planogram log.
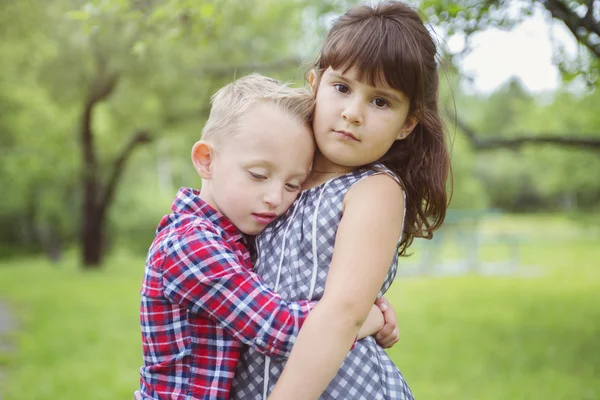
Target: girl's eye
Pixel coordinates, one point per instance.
(256, 176)
(380, 103)
(340, 87)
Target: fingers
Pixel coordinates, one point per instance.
(390, 340)
(386, 331)
(382, 303)
(389, 334)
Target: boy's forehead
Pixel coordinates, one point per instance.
(250, 124)
(266, 123)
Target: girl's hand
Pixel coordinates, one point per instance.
(389, 335)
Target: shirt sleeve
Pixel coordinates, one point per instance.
(202, 274)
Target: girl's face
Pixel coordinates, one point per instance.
(355, 123)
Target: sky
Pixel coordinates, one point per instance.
(525, 52)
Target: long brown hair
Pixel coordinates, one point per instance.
(388, 44)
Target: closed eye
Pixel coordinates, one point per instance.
(256, 176)
(292, 187)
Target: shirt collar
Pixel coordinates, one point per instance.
(188, 201)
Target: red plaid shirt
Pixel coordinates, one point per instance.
(201, 302)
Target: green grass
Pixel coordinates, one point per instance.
(468, 337)
(477, 337)
(78, 333)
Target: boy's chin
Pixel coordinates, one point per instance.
(251, 231)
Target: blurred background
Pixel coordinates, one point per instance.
(101, 100)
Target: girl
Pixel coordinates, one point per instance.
(378, 180)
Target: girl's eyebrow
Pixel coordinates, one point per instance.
(388, 93)
(339, 77)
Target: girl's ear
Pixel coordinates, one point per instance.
(407, 128)
(312, 80)
(202, 157)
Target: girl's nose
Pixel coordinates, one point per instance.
(352, 112)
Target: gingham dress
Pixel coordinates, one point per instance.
(294, 254)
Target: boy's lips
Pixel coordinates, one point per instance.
(264, 218)
(347, 135)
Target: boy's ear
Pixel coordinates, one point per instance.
(312, 80)
(202, 158)
(407, 128)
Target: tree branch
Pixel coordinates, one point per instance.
(100, 89)
(139, 138)
(514, 143)
(575, 24)
(590, 9)
(102, 86)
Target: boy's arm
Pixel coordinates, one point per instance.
(373, 323)
(202, 274)
(365, 243)
(381, 323)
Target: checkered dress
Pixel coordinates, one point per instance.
(294, 254)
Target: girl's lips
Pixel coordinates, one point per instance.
(264, 218)
(347, 135)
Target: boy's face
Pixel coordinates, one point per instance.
(256, 175)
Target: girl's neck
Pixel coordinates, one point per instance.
(323, 170)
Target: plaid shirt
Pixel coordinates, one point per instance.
(201, 302)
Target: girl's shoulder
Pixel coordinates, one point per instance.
(368, 178)
(376, 170)
(376, 186)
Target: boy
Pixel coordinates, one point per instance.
(200, 300)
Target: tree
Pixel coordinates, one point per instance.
(582, 19)
(536, 177)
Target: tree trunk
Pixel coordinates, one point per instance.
(92, 240)
(91, 219)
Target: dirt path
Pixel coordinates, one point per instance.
(7, 324)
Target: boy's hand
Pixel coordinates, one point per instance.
(389, 334)
(373, 324)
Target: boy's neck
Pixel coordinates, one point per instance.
(206, 196)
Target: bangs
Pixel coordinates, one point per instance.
(373, 50)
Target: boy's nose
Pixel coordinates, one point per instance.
(274, 197)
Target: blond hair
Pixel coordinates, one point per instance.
(233, 101)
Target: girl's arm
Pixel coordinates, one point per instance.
(365, 245)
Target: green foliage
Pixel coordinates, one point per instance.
(469, 16)
(538, 176)
(468, 192)
(169, 56)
